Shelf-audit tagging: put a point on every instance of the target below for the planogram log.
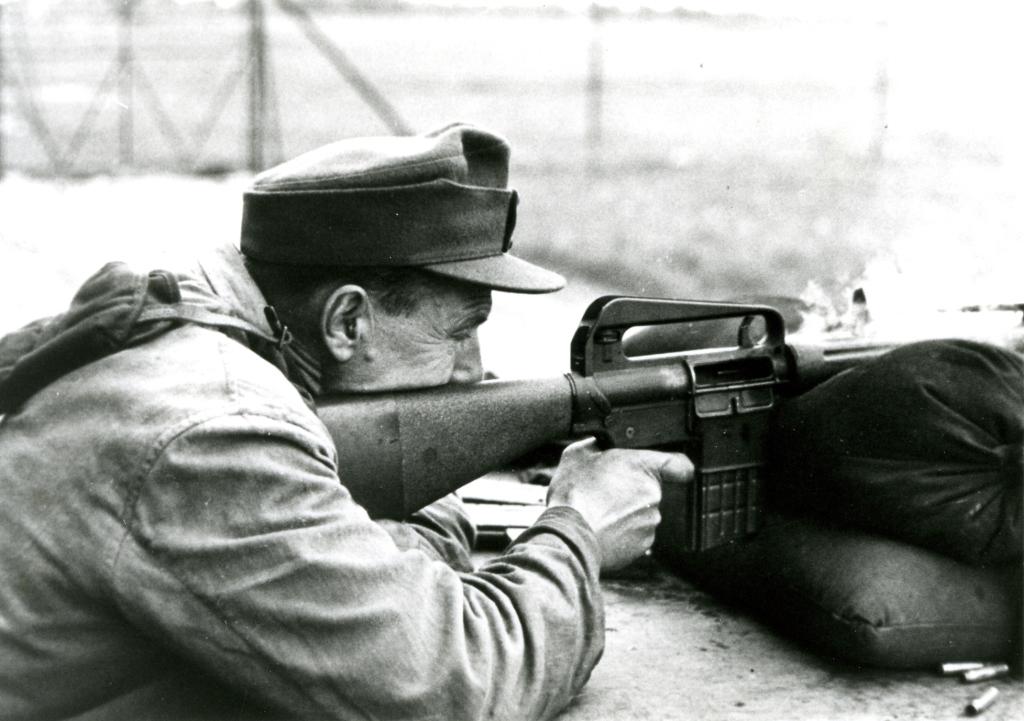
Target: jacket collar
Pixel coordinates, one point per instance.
(225, 272)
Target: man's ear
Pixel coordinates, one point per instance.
(345, 321)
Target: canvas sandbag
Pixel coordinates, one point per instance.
(924, 444)
(861, 598)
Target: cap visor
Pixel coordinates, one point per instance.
(502, 272)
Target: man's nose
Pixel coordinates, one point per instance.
(468, 367)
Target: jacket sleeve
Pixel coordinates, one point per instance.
(442, 530)
(245, 555)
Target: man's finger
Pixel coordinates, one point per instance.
(676, 468)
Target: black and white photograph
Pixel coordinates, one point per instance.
(453, 360)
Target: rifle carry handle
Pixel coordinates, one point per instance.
(597, 344)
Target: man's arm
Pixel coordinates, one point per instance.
(246, 556)
(443, 530)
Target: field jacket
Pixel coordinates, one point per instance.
(175, 541)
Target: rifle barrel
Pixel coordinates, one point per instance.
(813, 364)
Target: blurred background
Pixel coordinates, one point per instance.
(697, 149)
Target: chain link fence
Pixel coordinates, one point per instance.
(97, 86)
(679, 152)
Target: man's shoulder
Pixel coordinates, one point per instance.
(197, 366)
(189, 372)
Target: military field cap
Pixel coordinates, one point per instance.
(439, 201)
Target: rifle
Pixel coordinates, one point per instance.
(636, 381)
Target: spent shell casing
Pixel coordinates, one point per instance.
(986, 672)
(953, 668)
(981, 703)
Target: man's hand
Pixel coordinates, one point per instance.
(617, 491)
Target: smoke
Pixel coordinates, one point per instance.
(927, 288)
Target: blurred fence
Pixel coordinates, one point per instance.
(97, 86)
(677, 153)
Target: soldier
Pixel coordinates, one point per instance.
(175, 536)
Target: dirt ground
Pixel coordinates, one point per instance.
(674, 652)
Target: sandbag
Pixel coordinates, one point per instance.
(924, 444)
(860, 598)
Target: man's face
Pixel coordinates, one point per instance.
(434, 345)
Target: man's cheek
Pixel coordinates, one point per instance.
(431, 369)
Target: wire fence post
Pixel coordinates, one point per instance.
(346, 68)
(2, 106)
(876, 150)
(257, 84)
(595, 85)
(126, 86)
